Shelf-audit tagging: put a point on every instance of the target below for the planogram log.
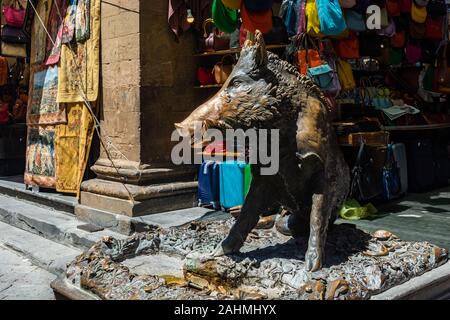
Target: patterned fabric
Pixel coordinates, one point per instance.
(43, 108)
(40, 162)
(39, 36)
(72, 145)
(80, 69)
(55, 28)
(69, 22)
(83, 20)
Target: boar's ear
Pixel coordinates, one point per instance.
(261, 52)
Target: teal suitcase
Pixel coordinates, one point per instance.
(235, 179)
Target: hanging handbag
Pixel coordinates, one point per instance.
(434, 28)
(331, 18)
(442, 69)
(14, 35)
(389, 31)
(355, 21)
(370, 44)
(225, 19)
(391, 176)
(312, 18)
(14, 14)
(384, 21)
(399, 39)
(215, 40)
(393, 8)
(232, 4)
(205, 76)
(417, 30)
(348, 48)
(4, 112)
(321, 75)
(308, 55)
(13, 49)
(223, 70)
(418, 14)
(396, 56)
(437, 8)
(329, 56)
(19, 111)
(405, 6)
(365, 184)
(347, 4)
(345, 74)
(413, 52)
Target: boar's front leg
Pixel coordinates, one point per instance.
(320, 214)
(260, 196)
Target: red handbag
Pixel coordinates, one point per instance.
(405, 6)
(398, 40)
(14, 14)
(205, 76)
(393, 8)
(4, 113)
(434, 27)
(348, 48)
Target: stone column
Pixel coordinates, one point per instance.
(148, 80)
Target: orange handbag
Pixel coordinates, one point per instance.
(348, 48)
(399, 39)
(308, 55)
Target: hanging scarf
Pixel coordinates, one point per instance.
(55, 28)
(82, 21)
(69, 22)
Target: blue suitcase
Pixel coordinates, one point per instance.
(235, 179)
(208, 185)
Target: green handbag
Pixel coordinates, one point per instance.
(396, 56)
(225, 19)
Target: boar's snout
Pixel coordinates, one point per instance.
(205, 116)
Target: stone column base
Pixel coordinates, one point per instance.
(134, 200)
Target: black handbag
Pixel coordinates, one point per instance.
(14, 35)
(366, 179)
(370, 44)
(278, 34)
(437, 8)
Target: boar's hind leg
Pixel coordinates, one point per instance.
(260, 197)
(320, 214)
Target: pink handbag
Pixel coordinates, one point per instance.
(413, 52)
(14, 14)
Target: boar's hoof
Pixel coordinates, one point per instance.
(282, 226)
(313, 260)
(227, 246)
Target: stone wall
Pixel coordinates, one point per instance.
(168, 79)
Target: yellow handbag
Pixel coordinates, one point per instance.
(345, 74)
(312, 17)
(232, 4)
(418, 14)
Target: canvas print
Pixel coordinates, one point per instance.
(43, 107)
(40, 164)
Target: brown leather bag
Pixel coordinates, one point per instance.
(215, 40)
(19, 112)
(222, 70)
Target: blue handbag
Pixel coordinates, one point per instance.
(355, 21)
(321, 75)
(391, 176)
(332, 21)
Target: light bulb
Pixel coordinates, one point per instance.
(190, 18)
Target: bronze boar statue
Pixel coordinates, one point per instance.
(264, 91)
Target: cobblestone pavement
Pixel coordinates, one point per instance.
(21, 280)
